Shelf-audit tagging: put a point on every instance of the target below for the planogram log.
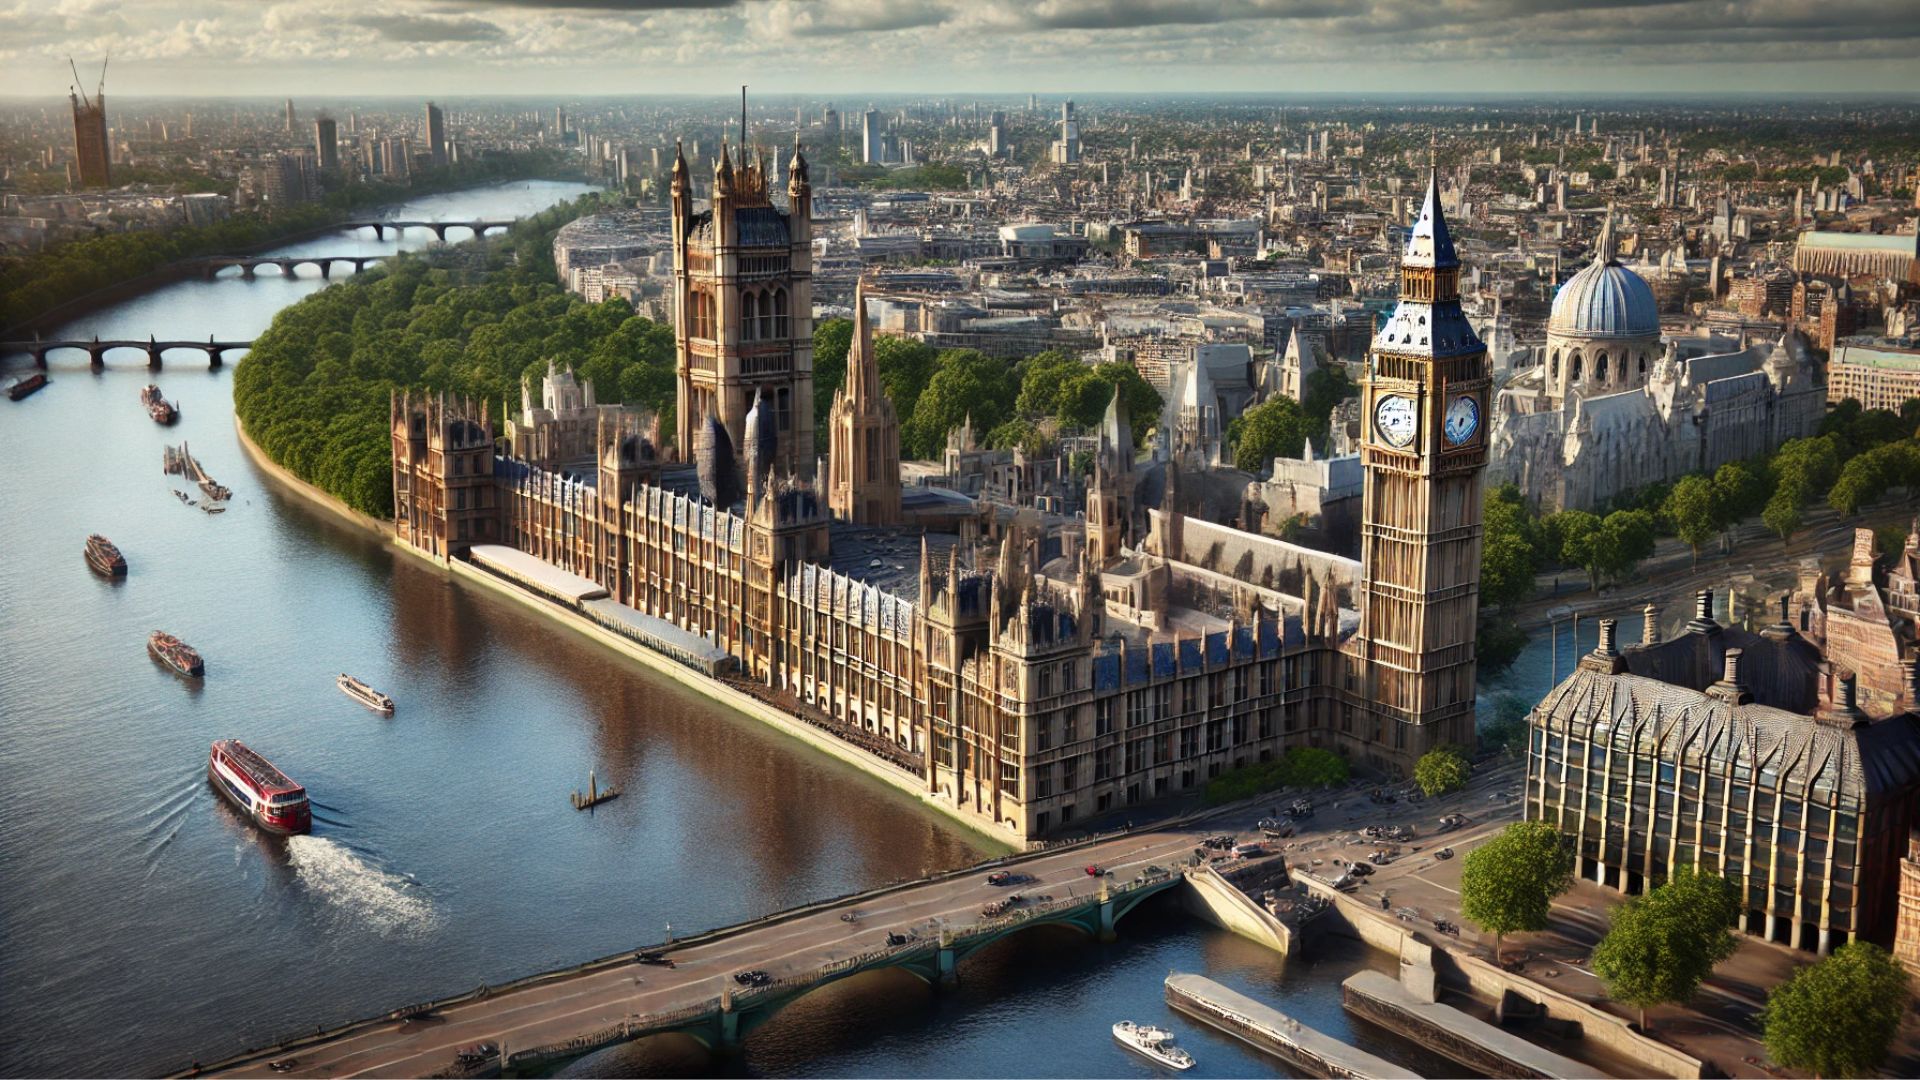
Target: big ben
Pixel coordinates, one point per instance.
(1424, 449)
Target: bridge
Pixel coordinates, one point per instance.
(213, 264)
(540, 1021)
(478, 228)
(97, 349)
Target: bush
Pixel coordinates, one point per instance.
(1441, 770)
(1302, 766)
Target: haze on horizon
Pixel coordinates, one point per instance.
(343, 48)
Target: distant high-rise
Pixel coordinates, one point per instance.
(1066, 151)
(90, 143)
(289, 114)
(326, 142)
(831, 120)
(560, 122)
(871, 151)
(997, 133)
(436, 133)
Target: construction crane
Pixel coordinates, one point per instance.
(100, 93)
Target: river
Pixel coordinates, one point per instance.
(143, 924)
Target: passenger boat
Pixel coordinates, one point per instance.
(105, 559)
(1154, 1044)
(23, 387)
(176, 654)
(251, 783)
(158, 407)
(364, 694)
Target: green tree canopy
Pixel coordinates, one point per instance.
(1695, 510)
(1278, 427)
(1507, 884)
(1662, 944)
(1441, 770)
(1839, 1016)
(965, 383)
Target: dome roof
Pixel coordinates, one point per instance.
(1605, 300)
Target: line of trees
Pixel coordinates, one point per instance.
(1012, 403)
(1281, 426)
(32, 284)
(313, 391)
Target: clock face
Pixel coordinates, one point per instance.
(1396, 419)
(1463, 420)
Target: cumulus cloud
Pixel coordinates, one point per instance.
(423, 28)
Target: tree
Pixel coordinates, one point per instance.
(965, 383)
(832, 340)
(1275, 428)
(1310, 766)
(1507, 884)
(1509, 555)
(1664, 943)
(1441, 770)
(1624, 539)
(1573, 536)
(1695, 512)
(1837, 1017)
(1782, 514)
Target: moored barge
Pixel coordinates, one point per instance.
(22, 388)
(176, 654)
(105, 559)
(250, 782)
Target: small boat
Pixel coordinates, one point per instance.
(250, 782)
(176, 654)
(158, 407)
(364, 694)
(22, 388)
(1154, 1044)
(105, 559)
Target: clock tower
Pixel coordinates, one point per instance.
(1424, 450)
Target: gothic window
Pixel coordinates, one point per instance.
(780, 325)
(748, 308)
(1553, 366)
(1643, 365)
(1600, 369)
(1575, 373)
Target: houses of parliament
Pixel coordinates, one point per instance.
(1035, 672)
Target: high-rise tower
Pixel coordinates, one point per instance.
(436, 133)
(743, 295)
(326, 142)
(1424, 450)
(91, 148)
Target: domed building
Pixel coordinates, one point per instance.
(1604, 334)
(1614, 406)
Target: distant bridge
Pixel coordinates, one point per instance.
(540, 1021)
(478, 228)
(213, 264)
(97, 349)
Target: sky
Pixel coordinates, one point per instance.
(342, 48)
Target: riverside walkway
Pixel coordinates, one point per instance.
(536, 1022)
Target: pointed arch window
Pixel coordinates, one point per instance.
(1574, 375)
(1600, 369)
(1553, 365)
(781, 324)
(749, 309)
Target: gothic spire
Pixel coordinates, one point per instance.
(863, 370)
(1430, 244)
(1603, 247)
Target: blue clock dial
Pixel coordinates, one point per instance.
(1463, 420)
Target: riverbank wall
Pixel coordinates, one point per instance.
(892, 775)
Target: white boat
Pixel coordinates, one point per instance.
(1152, 1043)
(364, 694)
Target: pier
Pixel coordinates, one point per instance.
(925, 928)
(1301, 1047)
(1446, 1030)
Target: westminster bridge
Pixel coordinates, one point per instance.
(439, 228)
(98, 348)
(924, 927)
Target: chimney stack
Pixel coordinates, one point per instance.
(1606, 647)
(1732, 676)
(1605, 657)
(1650, 627)
(1731, 689)
(1702, 622)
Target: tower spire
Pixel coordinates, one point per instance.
(1603, 247)
(1430, 243)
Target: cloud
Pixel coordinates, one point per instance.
(825, 18)
(426, 28)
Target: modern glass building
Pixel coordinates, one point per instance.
(1742, 753)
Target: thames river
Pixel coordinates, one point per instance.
(144, 925)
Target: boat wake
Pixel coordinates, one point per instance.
(167, 819)
(388, 903)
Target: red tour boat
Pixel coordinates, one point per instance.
(251, 783)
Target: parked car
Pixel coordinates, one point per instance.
(1000, 877)
(752, 978)
(1095, 870)
(476, 1054)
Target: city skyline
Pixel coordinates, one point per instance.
(622, 47)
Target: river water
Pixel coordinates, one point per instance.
(144, 925)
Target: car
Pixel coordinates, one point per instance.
(896, 939)
(1095, 870)
(476, 1053)
(752, 978)
(284, 1064)
(1250, 851)
(1156, 871)
(1359, 869)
